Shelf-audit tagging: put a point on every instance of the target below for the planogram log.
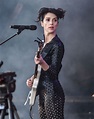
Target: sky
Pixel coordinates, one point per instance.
(77, 33)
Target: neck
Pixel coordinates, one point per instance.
(49, 37)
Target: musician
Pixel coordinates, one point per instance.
(50, 91)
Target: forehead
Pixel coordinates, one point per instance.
(50, 15)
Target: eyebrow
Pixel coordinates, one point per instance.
(50, 17)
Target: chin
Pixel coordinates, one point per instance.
(51, 32)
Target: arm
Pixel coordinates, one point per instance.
(57, 53)
(56, 59)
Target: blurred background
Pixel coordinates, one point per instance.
(77, 33)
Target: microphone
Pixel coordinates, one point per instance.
(1, 63)
(22, 27)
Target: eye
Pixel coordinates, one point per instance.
(48, 19)
(55, 20)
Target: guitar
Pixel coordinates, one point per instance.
(33, 91)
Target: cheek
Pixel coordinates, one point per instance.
(44, 25)
(56, 25)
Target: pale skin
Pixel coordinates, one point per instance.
(49, 24)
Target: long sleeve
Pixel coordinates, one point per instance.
(55, 65)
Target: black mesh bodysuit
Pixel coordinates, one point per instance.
(51, 95)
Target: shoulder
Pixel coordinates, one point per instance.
(57, 42)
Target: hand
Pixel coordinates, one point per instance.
(38, 60)
(29, 82)
(42, 62)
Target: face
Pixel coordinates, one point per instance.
(49, 23)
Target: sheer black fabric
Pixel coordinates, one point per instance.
(51, 94)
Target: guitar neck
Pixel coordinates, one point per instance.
(36, 66)
(35, 73)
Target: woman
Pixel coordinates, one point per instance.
(51, 95)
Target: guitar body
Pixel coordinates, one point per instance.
(34, 86)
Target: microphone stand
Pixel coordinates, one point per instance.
(19, 31)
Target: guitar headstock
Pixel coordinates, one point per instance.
(40, 43)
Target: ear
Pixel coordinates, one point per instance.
(41, 23)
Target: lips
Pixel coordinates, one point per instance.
(51, 27)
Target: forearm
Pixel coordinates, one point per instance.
(44, 65)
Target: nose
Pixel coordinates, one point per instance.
(51, 21)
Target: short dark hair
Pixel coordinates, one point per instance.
(60, 13)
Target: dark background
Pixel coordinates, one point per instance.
(77, 33)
